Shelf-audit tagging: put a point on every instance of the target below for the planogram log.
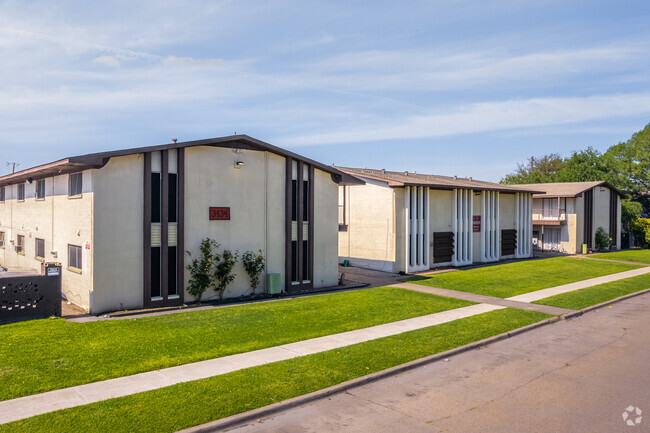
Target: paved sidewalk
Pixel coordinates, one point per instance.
(558, 290)
(473, 297)
(25, 407)
(585, 256)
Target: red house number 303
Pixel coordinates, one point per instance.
(219, 213)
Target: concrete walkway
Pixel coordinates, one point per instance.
(25, 407)
(584, 256)
(473, 297)
(558, 290)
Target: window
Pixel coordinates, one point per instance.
(40, 189)
(342, 223)
(39, 248)
(75, 185)
(74, 256)
(2, 239)
(21, 192)
(2, 194)
(20, 244)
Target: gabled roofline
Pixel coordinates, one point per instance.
(600, 183)
(100, 159)
(477, 187)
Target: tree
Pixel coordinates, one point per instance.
(630, 211)
(586, 166)
(539, 169)
(632, 159)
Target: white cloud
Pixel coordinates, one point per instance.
(491, 116)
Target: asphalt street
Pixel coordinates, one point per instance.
(577, 375)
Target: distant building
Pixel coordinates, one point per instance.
(120, 222)
(567, 215)
(408, 222)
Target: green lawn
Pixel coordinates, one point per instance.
(638, 256)
(582, 298)
(49, 354)
(188, 404)
(513, 279)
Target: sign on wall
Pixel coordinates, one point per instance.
(476, 225)
(219, 213)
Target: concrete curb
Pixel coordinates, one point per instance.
(267, 411)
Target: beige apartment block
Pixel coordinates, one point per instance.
(120, 222)
(568, 215)
(409, 222)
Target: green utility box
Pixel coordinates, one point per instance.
(584, 248)
(273, 284)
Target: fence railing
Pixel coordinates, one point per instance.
(30, 297)
(549, 214)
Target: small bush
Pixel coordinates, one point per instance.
(201, 269)
(254, 265)
(603, 241)
(223, 270)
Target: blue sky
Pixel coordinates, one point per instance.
(453, 87)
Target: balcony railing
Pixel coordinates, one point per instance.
(549, 215)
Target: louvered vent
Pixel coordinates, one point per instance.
(172, 234)
(155, 235)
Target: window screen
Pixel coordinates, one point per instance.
(74, 256)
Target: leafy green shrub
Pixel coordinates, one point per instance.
(254, 265)
(201, 269)
(603, 241)
(223, 270)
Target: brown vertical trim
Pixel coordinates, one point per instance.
(311, 226)
(180, 242)
(146, 230)
(613, 211)
(164, 224)
(287, 226)
(588, 216)
(300, 217)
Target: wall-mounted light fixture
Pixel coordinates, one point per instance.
(30, 180)
(239, 164)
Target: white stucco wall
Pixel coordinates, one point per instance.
(118, 234)
(370, 216)
(57, 219)
(325, 230)
(212, 180)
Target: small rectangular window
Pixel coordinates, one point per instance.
(2, 194)
(2, 239)
(40, 188)
(39, 248)
(21, 192)
(20, 244)
(155, 198)
(74, 256)
(75, 185)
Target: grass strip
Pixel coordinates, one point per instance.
(49, 354)
(511, 279)
(637, 256)
(589, 296)
(193, 403)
